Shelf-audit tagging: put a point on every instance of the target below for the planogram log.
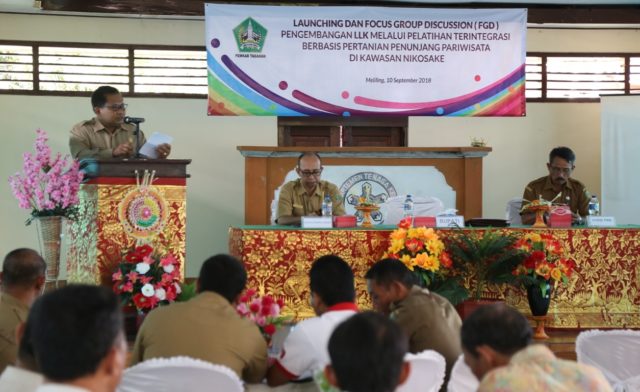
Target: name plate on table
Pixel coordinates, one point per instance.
(317, 222)
(345, 221)
(450, 221)
(601, 221)
(426, 221)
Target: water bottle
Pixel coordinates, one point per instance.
(327, 206)
(407, 208)
(594, 205)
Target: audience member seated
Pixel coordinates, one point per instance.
(78, 339)
(332, 298)
(429, 320)
(495, 341)
(23, 280)
(24, 376)
(367, 354)
(207, 327)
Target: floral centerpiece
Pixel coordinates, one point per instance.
(47, 186)
(423, 252)
(544, 265)
(145, 280)
(263, 311)
(367, 208)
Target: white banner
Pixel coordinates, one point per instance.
(343, 61)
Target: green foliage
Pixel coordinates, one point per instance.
(188, 291)
(490, 256)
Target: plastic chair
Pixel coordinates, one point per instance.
(462, 378)
(513, 211)
(615, 353)
(393, 209)
(426, 374)
(179, 374)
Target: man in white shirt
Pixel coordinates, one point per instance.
(332, 298)
(78, 339)
(24, 376)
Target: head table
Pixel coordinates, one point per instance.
(604, 292)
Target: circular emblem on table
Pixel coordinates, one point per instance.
(374, 187)
(143, 213)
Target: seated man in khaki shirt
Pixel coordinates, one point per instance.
(304, 196)
(428, 319)
(23, 279)
(572, 192)
(106, 135)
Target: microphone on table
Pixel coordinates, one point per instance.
(133, 120)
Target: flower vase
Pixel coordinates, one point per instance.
(49, 239)
(539, 297)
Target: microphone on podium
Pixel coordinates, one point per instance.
(133, 120)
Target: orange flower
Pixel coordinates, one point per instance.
(414, 245)
(556, 274)
(405, 223)
(399, 234)
(445, 260)
(544, 269)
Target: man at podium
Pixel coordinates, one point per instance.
(106, 135)
(304, 196)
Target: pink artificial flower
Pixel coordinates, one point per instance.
(251, 292)
(117, 276)
(132, 276)
(261, 321)
(147, 260)
(168, 260)
(127, 287)
(145, 279)
(242, 309)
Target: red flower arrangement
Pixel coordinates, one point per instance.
(264, 311)
(545, 260)
(145, 281)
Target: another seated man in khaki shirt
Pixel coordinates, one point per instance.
(106, 135)
(558, 182)
(304, 196)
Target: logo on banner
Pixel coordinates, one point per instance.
(372, 187)
(250, 36)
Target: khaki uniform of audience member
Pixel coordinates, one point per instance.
(430, 322)
(579, 197)
(12, 313)
(90, 139)
(294, 200)
(206, 327)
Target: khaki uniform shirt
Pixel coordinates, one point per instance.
(579, 197)
(206, 327)
(431, 323)
(294, 200)
(90, 139)
(12, 313)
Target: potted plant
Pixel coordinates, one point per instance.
(423, 252)
(487, 257)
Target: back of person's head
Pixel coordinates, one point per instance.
(22, 267)
(562, 152)
(222, 274)
(99, 96)
(498, 326)
(367, 354)
(75, 328)
(387, 271)
(332, 279)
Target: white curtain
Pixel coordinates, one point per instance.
(620, 157)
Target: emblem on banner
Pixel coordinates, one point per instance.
(373, 187)
(250, 36)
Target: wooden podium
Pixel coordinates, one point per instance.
(266, 168)
(118, 210)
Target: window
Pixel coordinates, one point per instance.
(77, 69)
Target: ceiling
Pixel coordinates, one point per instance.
(540, 11)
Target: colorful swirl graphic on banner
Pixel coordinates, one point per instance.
(233, 92)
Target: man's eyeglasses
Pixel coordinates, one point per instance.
(309, 173)
(564, 170)
(116, 107)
